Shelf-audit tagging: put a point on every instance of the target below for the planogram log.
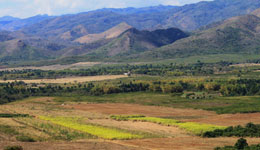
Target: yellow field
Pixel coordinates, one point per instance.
(70, 79)
(99, 131)
(195, 128)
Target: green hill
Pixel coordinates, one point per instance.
(134, 41)
(18, 50)
(237, 35)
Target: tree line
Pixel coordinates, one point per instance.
(147, 69)
(231, 87)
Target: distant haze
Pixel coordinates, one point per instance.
(27, 8)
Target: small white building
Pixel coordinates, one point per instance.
(127, 74)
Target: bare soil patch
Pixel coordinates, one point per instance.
(45, 106)
(142, 126)
(131, 109)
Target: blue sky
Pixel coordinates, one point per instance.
(27, 8)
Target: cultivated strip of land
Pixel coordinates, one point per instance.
(70, 79)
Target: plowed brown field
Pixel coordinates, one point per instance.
(130, 109)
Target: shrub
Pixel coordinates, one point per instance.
(8, 130)
(13, 148)
(24, 138)
(250, 130)
(125, 117)
(241, 144)
(13, 115)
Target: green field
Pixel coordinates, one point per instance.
(221, 105)
(234, 58)
(99, 131)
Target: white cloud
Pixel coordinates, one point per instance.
(171, 2)
(26, 8)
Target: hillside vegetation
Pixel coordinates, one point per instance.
(121, 39)
(233, 36)
(134, 34)
(135, 41)
(109, 34)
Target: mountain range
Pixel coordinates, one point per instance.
(189, 17)
(154, 33)
(12, 24)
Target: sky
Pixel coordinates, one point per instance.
(28, 8)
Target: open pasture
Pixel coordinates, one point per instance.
(70, 79)
(195, 128)
(219, 105)
(130, 109)
(230, 119)
(185, 143)
(55, 67)
(183, 114)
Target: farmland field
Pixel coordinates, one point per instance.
(195, 128)
(55, 67)
(69, 79)
(100, 108)
(71, 119)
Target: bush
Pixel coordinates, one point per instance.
(23, 138)
(225, 148)
(13, 148)
(241, 144)
(13, 115)
(250, 130)
(8, 130)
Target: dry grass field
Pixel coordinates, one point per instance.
(130, 109)
(189, 115)
(56, 67)
(163, 137)
(245, 65)
(230, 119)
(70, 79)
(185, 143)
